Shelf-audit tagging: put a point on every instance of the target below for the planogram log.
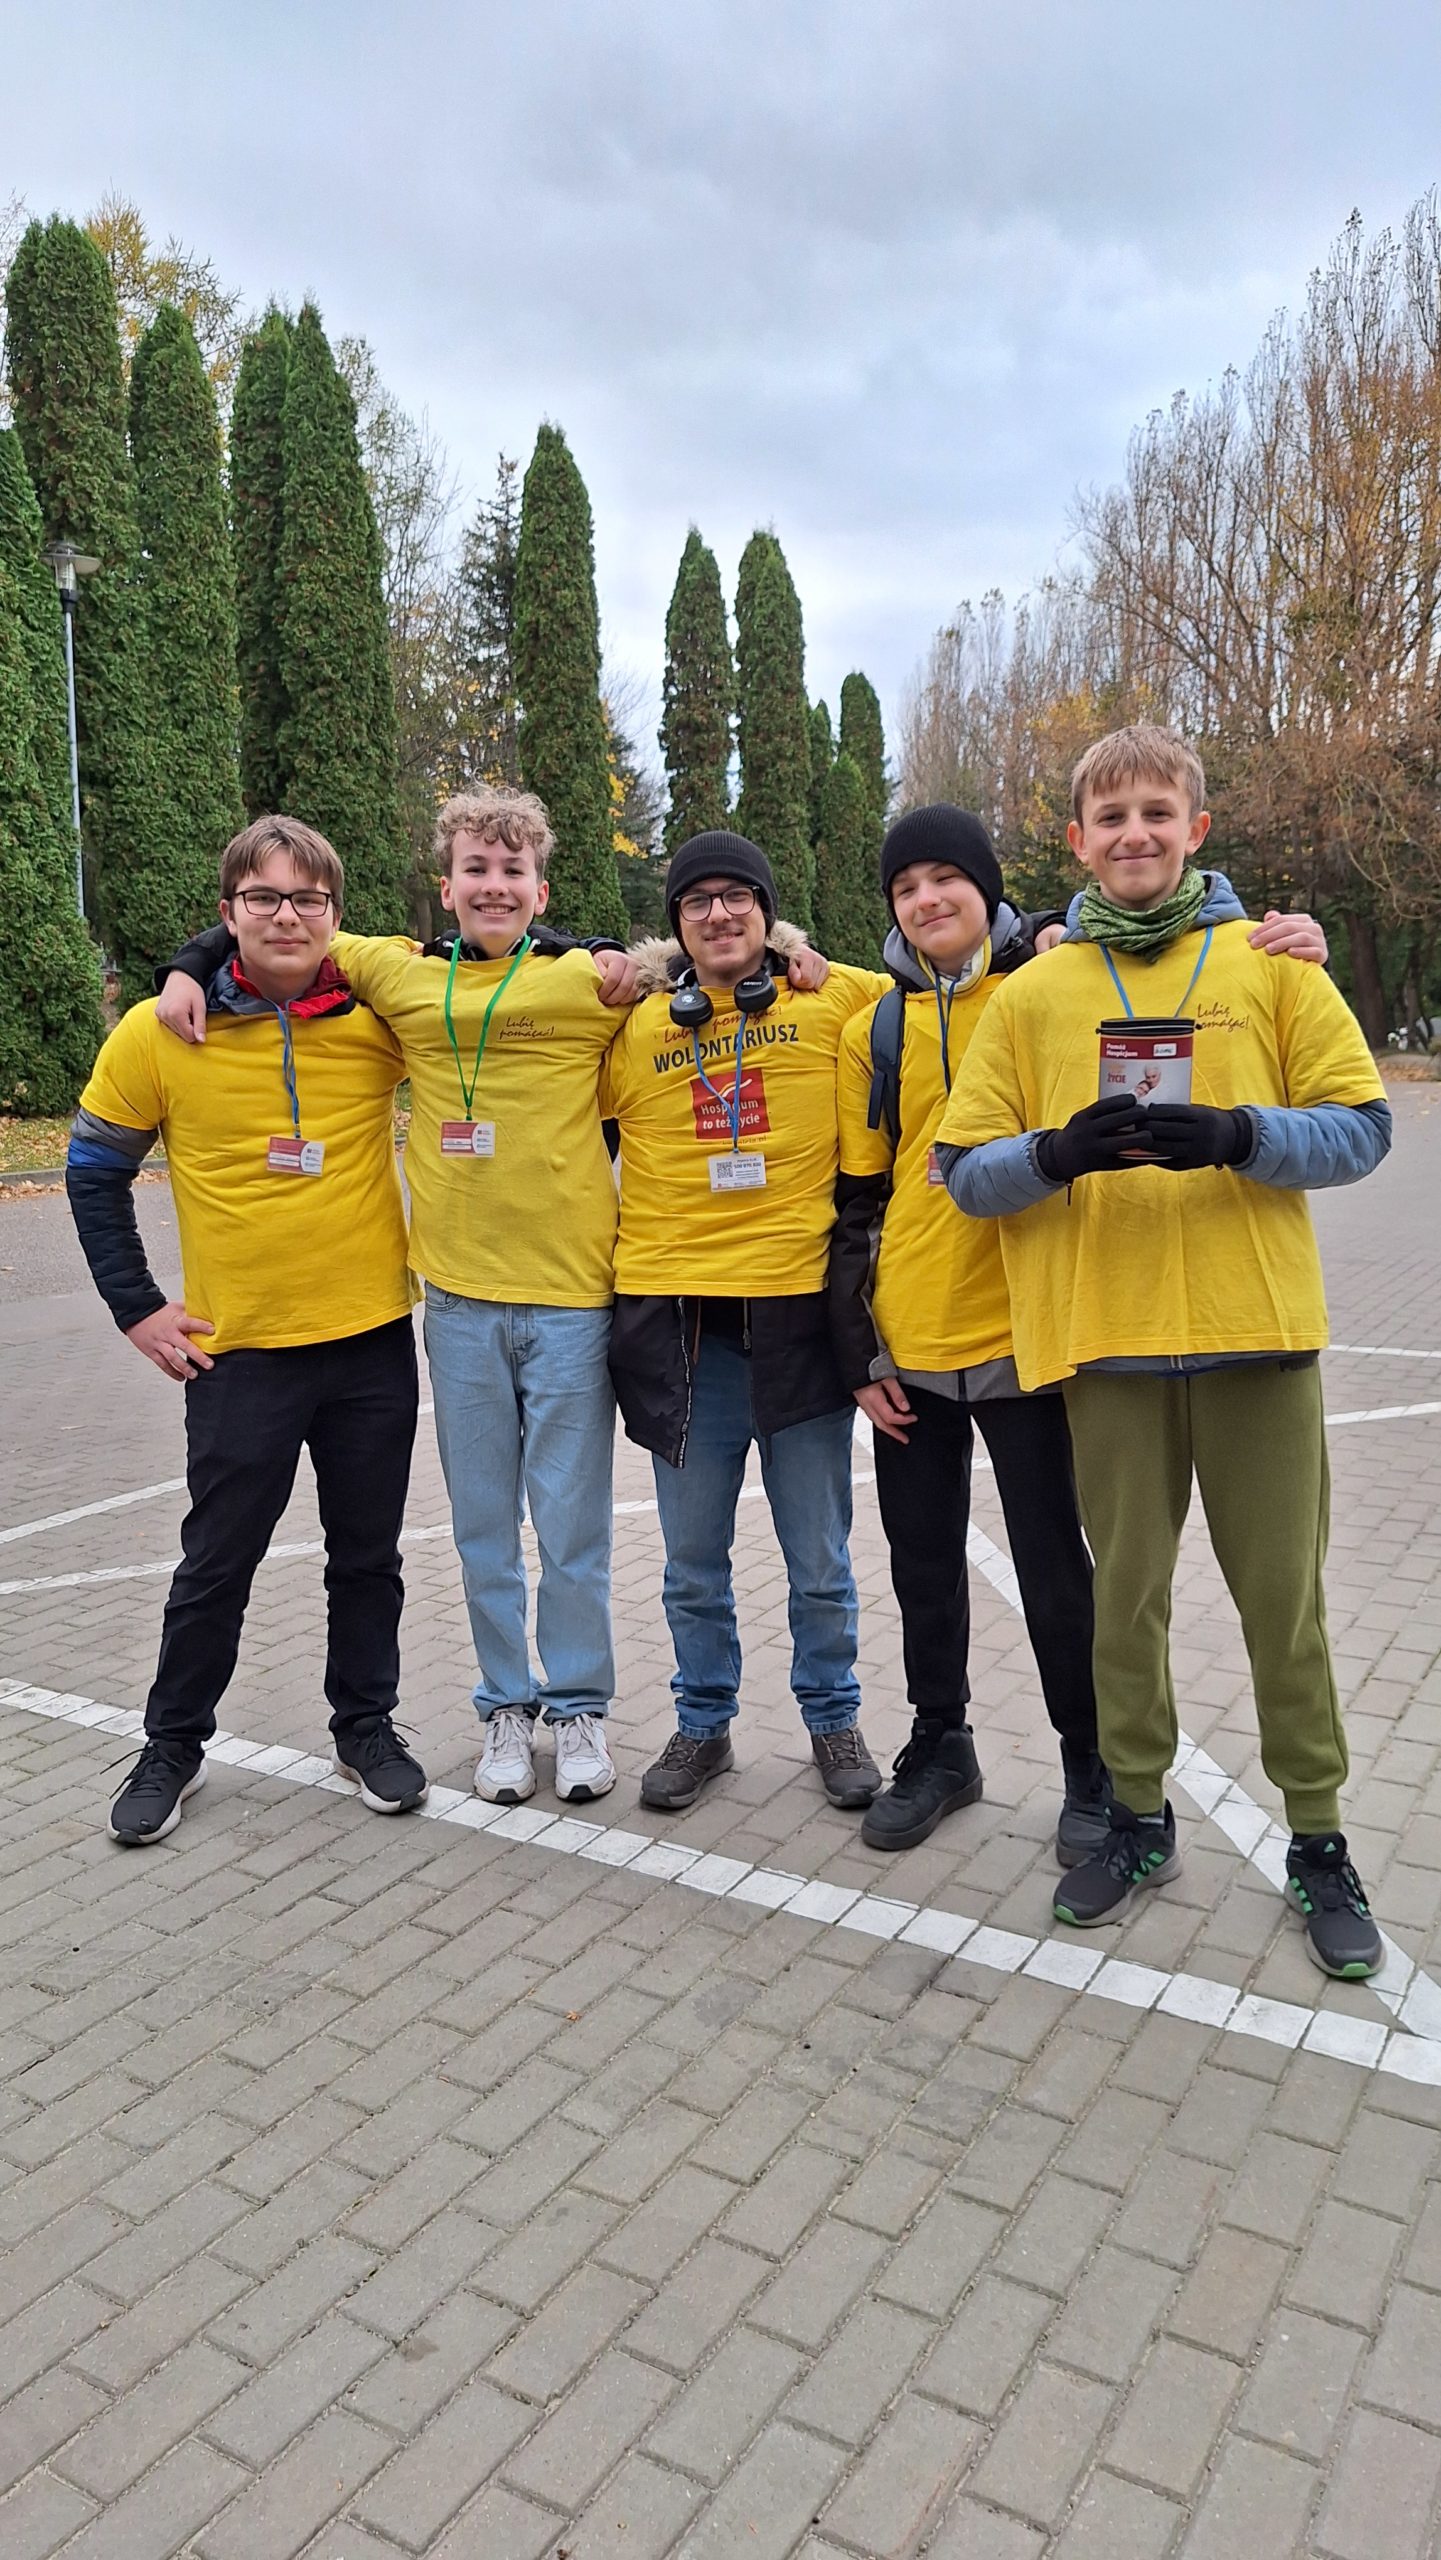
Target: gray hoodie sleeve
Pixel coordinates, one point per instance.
(998, 1179)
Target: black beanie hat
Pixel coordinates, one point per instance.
(943, 833)
(718, 855)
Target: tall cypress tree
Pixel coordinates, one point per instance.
(823, 756)
(774, 723)
(336, 742)
(50, 1019)
(22, 537)
(66, 379)
(257, 473)
(188, 582)
(557, 664)
(846, 901)
(698, 699)
(487, 742)
(863, 739)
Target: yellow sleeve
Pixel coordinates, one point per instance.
(1324, 1057)
(373, 962)
(125, 1084)
(859, 986)
(863, 1150)
(986, 1101)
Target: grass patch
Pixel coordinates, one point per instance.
(32, 1146)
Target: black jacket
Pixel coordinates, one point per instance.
(653, 1348)
(861, 1198)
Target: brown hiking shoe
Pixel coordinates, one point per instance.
(673, 1782)
(847, 1770)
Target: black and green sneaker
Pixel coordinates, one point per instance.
(1324, 1888)
(1140, 1850)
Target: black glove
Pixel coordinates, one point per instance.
(1187, 1135)
(1093, 1140)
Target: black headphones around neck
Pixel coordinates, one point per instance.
(691, 1008)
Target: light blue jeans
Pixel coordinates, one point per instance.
(525, 1414)
(806, 1472)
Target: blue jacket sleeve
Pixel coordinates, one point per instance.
(1318, 1149)
(996, 1180)
(100, 1171)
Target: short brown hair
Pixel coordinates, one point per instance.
(313, 856)
(1143, 753)
(512, 818)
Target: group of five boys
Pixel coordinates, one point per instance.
(836, 1188)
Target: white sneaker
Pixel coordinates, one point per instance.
(584, 1768)
(505, 1771)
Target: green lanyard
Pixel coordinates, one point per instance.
(468, 1090)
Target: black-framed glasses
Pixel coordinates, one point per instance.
(268, 902)
(736, 899)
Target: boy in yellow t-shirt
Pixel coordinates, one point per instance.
(513, 1212)
(1161, 1264)
(278, 1139)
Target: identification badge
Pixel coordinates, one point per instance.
(737, 1173)
(467, 1137)
(934, 1175)
(295, 1155)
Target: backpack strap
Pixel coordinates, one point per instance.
(888, 1031)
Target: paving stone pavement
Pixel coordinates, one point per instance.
(377, 2188)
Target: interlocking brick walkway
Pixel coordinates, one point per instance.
(380, 2188)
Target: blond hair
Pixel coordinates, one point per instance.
(314, 857)
(1143, 753)
(512, 818)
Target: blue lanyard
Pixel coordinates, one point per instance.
(732, 1109)
(1190, 991)
(287, 1060)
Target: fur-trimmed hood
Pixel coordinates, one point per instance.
(659, 960)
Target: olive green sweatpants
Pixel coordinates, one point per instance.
(1255, 1439)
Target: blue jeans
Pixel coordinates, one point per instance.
(807, 1476)
(524, 1414)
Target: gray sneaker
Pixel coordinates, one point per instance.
(848, 1772)
(689, 1760)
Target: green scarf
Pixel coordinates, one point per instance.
(1144, 930)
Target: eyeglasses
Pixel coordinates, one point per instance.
(268, 902)
(696, 905)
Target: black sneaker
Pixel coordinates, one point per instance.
(1140, 1850)
(1324, 1888)
(934, 1775)
(1085, 1822)
(848, 1773)
(689, 1760)
(371, 1754)
(148, 1805)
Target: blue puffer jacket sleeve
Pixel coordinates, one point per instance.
(1318, 1149)
(996, 1180)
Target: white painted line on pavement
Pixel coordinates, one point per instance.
(1379, 1351)
(1381, 1413)
(1085, 1970)
(92, 1510)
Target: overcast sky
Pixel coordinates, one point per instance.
(892, 278)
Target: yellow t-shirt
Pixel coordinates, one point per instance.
(939, 1298)
(271, 1259)
(676, 1232)
(534, 1223)
(1143, 1263)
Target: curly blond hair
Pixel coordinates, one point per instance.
(512, 818)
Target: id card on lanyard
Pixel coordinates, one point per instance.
(294, 1154)
(472, 1137)
(734, 1171)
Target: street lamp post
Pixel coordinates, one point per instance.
(70, 566)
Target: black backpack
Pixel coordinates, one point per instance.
(888, 1032)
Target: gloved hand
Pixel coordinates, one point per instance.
(1094, 1140)
(1187, 1135)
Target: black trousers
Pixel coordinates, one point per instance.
(924, 1490)
(352, 1404)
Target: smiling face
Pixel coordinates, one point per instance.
(725, 947)
(280, 953)
(941, 912)
(493, 893)
(1137, 839)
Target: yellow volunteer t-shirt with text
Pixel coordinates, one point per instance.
(271, 1259)
(677, 1232)
(532, 1224)
(1144, 1263)
(939, 1296)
